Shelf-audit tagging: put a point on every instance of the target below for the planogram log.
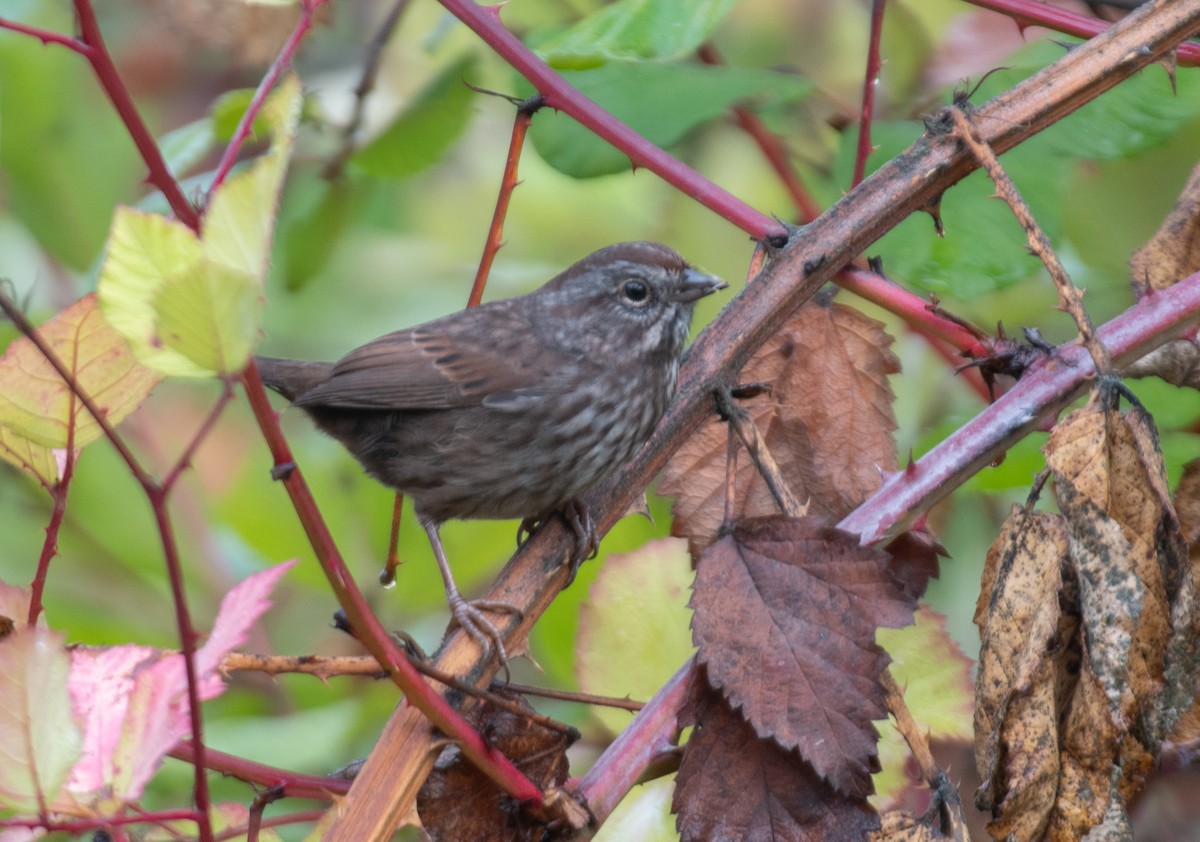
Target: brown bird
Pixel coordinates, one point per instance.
(515, 408)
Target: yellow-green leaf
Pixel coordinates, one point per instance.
(191, 306)
(210, 314)
(33, 459)
(37, 404)
(634, 627)
(144, 250)
(240, 220)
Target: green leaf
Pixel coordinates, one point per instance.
(1135, 116)
(637, 597)
(662, 102)
(635, 29)
(210, 314)
(65, 156)
(420, 135)
(227, 113)
(311, 222)
(984, 248)
(37, 730)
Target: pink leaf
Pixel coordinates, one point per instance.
(133, 699)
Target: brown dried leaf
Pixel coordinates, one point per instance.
(786, 612)
(1020, 672)
(1177, 362)
(460, 802)
(903, 826)
(828, 422)
(1173, 252)
(1187, 507)
(734, 785)
(915, 559)
(36, 404)
(1089, 738)
(1111, 486)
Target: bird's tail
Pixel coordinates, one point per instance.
(292, 378)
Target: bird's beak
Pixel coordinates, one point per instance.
(696, 285)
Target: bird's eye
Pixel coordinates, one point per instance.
(635, 291)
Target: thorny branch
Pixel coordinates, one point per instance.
(1070, 299)
(906, 184)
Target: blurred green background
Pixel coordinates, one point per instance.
(396, 242)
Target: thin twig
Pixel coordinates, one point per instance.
(206, 427)
(918, 743)
(508, 183)
(366, 626)
(581, 698)
(485, 22)
(870, 82)
(1070, 298)
(114, 86)
(364, 88)
(760, 454)
(246, 125)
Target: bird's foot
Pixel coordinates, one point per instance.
(469, 616)
(587, 542)
(576, 515)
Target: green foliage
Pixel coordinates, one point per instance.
(662, 102)
(635, 29)
(421, 134)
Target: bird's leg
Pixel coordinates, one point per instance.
(576, 515)
(469, 616)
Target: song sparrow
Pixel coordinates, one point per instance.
(514, 408)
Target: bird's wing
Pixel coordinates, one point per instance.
(452, 362)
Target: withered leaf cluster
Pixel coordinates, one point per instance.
(786, 607)
(1089, 634)
(458, 801)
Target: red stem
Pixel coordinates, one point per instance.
(47, 36)
(868, 98)
(292, 784)
(485, 22)
(1025, 13)
(206, 427)
(1044, 390)
(58, 493)
(187, 646)
(645, 738)
(915, 310)
(508, 183)
(363, 621)
(110, 80)
(97, 823)
(246, 124)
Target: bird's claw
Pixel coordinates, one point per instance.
(587, 542)
(469, 617)
(576, 515)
